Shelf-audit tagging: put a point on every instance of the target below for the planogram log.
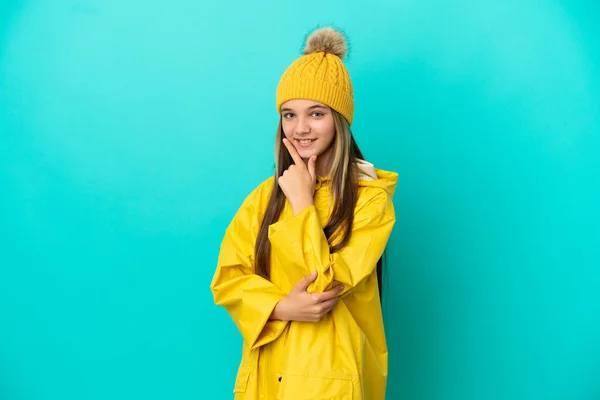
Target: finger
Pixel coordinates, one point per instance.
(293, 152)
(326, 306)
(312, 166)
(302, 286)
(330, 294)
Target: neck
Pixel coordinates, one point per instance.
(323, 167)
(324, 161)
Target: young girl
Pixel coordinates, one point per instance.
(299, 268)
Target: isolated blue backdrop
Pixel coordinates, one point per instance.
(131, 131)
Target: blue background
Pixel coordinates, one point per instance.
(131, 131)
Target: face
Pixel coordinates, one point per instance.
(309, 126)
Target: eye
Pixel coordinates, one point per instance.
(288, 115)
(317, 114)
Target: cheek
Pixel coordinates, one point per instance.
(328, 132)
(287, 128)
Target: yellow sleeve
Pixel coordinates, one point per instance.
(301, 245)
(248, 298)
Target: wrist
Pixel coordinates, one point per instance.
(299, 206)
(277, 313)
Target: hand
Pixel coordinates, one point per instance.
(299, 305)
(298, 181)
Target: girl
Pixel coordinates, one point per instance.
(298, 269)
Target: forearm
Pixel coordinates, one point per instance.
(301, 244)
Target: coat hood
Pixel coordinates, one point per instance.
(369, 176)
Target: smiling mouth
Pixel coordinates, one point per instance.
(305, 141)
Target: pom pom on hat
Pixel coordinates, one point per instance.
(319, 74)
(328, 40)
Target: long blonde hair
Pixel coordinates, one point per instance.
(344, 189)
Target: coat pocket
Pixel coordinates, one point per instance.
(302, 387)
(241, 380)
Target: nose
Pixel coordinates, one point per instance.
(302, 127)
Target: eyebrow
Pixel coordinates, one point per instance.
(309, 108)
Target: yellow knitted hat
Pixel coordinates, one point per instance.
(320, 75)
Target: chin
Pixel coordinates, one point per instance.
(306, 154)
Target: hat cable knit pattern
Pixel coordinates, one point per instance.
(320, 75)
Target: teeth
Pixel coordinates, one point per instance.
(306, 141)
